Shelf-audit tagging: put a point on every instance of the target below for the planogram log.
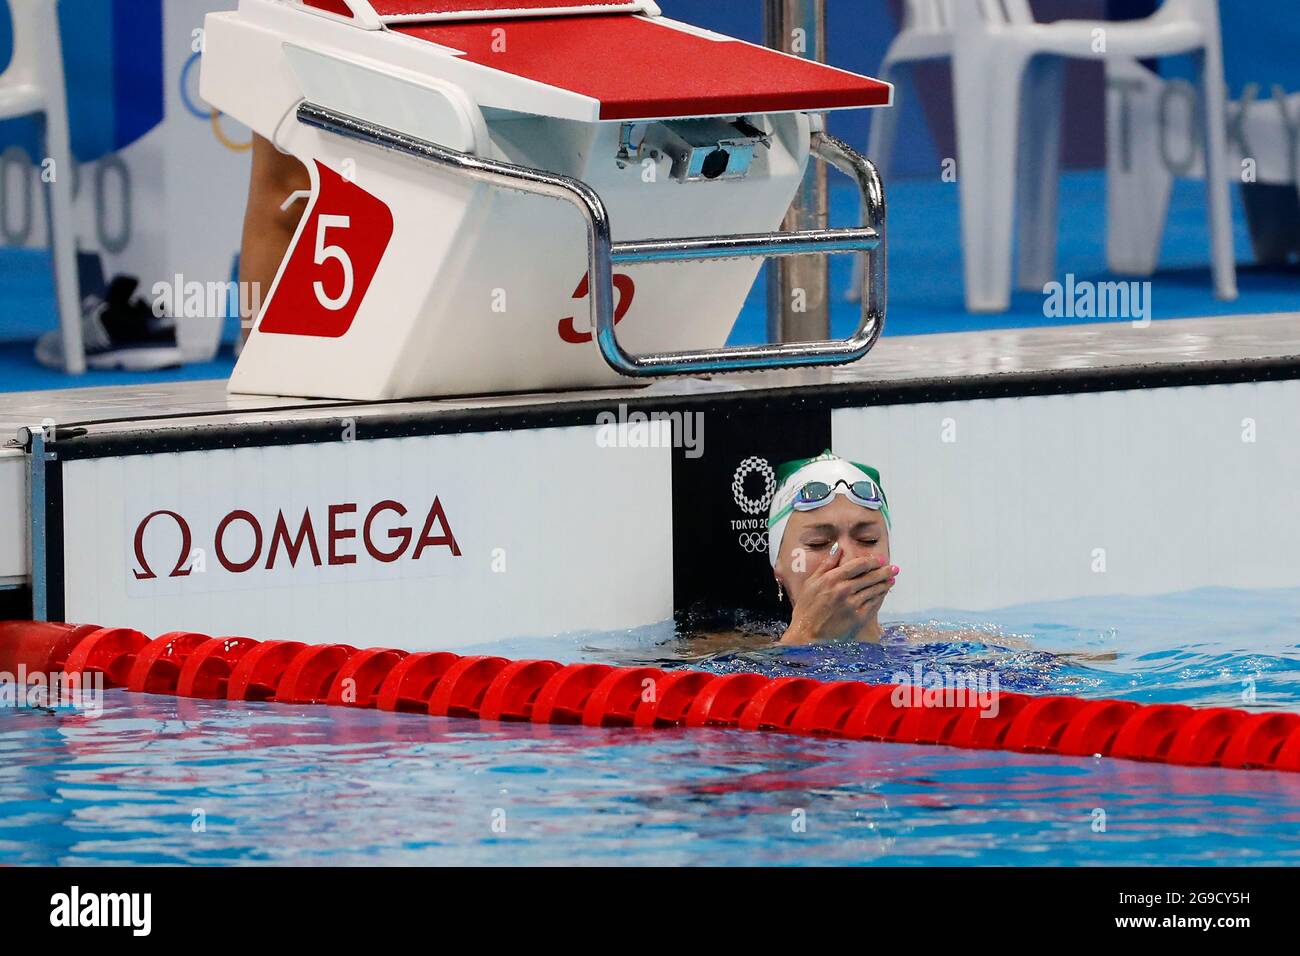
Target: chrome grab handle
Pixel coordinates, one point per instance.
(603, 253)
(743, 246)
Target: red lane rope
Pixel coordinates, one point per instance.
(600, 695)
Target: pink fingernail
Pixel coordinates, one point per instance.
(894, 569)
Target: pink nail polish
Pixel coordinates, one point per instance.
(894, 570)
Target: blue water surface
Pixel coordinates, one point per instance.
(156, 780)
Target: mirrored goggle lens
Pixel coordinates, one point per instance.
(819, 492)
(866, 491)
(812, 492)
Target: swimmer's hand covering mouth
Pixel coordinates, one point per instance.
(841, 599)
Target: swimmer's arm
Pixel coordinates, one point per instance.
(711, 643)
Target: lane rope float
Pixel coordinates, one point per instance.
(601, 695)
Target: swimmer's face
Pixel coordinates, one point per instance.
(809, 535)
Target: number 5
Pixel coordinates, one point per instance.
(325, 253)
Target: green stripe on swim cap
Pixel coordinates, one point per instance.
(783, 473)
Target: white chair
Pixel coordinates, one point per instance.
(1004, 64)
(34, 83)
(926, 34)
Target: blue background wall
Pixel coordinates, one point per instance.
(112, 54)
(113, 48)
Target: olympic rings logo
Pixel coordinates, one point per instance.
(210, 115)
(752, 465)
(753, 541)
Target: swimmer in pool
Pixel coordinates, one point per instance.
(828, 543)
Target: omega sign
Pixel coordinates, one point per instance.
(243, 543)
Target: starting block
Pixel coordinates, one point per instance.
(458, 149)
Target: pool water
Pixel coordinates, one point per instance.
(157, 780)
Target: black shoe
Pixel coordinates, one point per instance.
(119, 331)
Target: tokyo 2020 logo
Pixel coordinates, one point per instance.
(752, 485)
(759, 466)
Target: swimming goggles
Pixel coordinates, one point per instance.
(818, 494)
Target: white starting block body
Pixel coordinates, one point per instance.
(438, 255)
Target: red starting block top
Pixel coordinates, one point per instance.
(399, 11)
(642, 68)
(388, 9)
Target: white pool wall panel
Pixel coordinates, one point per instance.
(533, 561)
(15, 531)
(1005, 501)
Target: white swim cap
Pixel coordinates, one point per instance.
(792, 476)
